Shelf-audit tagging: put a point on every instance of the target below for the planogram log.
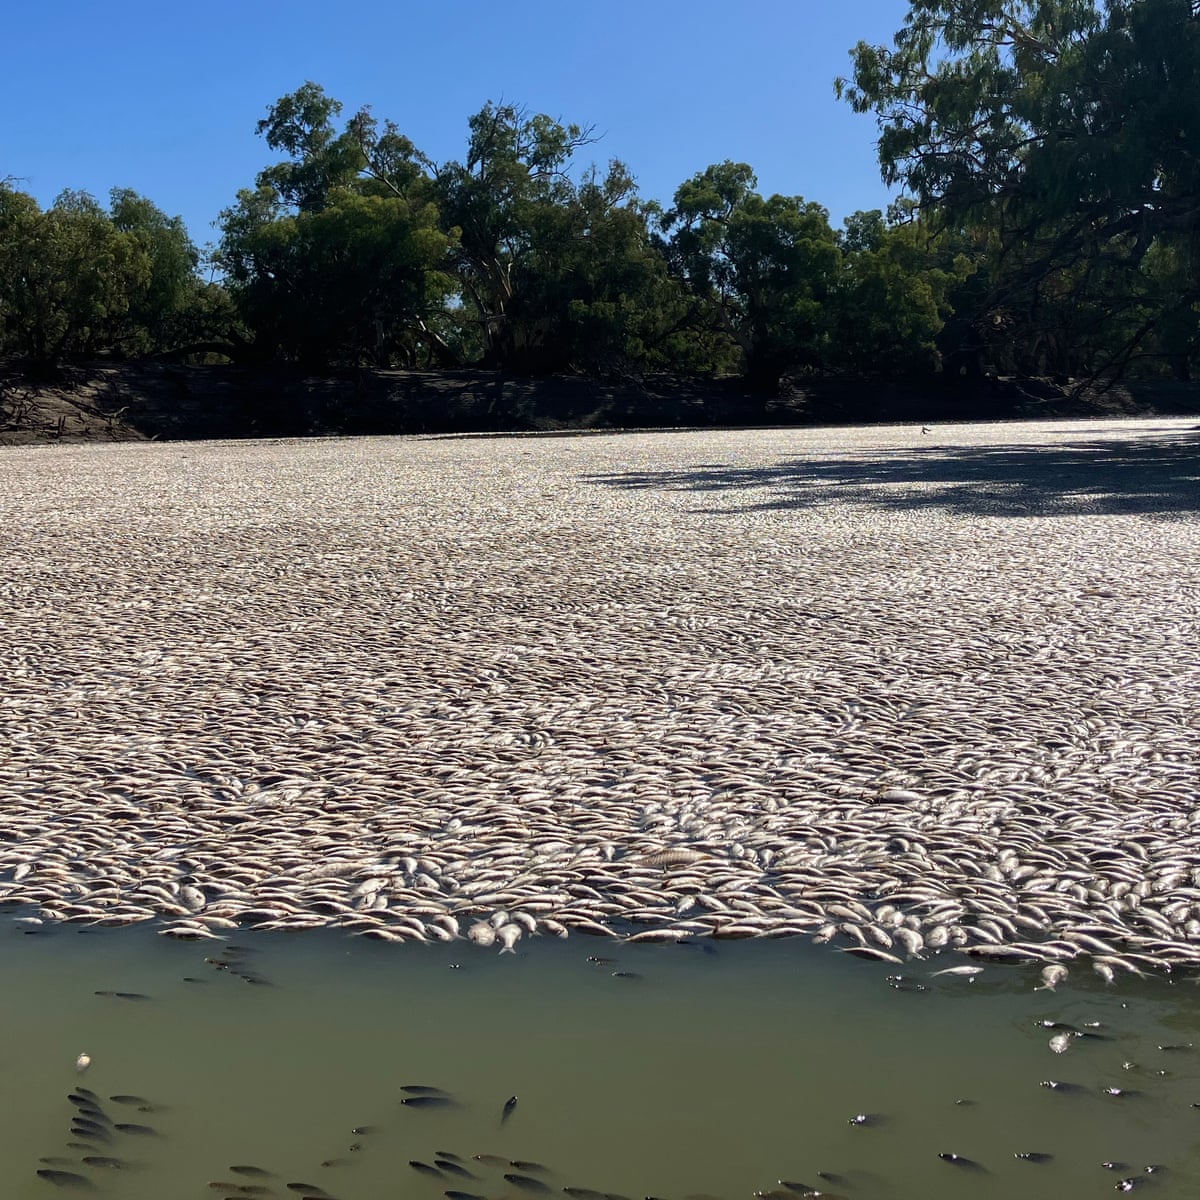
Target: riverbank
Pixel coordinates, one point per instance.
(164, 402)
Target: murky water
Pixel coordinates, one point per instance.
(716, 1069)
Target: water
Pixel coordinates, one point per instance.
(719, 1070)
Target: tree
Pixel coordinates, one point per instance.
(765, 269)
(336, 256)
(893, 296)
(69, 277)
(1068, 128)
(513, 184)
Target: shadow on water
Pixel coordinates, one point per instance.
(1156, 475)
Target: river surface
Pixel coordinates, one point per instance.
(712, 1069)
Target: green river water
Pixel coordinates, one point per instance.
(714, 1070)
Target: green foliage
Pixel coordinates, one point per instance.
(336, 257)
(1067, 129)
(765, 270)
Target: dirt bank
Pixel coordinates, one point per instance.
(156, 401)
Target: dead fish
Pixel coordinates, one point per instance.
(453, 1168)
(969, 972)
(63, 1178)
(1060, 1042)
(509, 1105)
(509, 935)
(1052, 976)
(428, 1102)
(424, 1168)
(957, 1160)
(525, 1182)
(83, 1062)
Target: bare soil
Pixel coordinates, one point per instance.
(108, 401)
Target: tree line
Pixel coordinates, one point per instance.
(1048, 151)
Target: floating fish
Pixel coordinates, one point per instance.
(969, 972)
(453, 1168)
(83, 1062)
(526, 1182)
(1060, 1042)
(1052, 976)
(63, 1178)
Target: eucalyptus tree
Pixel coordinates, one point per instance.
(336, 256)
(765, 269)
(1068, 131)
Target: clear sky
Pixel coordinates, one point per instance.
(163, 95)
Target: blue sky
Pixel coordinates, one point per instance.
(163, 97)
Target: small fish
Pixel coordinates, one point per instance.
(1033, 1156)
(131, 996)
(968, 972)
(509, 935)
(63, 1178)
(1056, 1085)
(306, 1189)
(865, 1119)
(522, 1165)
(958, 1160)
(256, 1171)
(525, 1182)
(1052, 976)
(455, 1195)
(132, 1100)
(578, 1193)
(1114, 1166)
(509, 1105)
(625, 975)
(420, 1089)
(600, 962)
(142, 1130)
(1126, 1185)
(100, 1160)
(428, 1101)
(453, 1168)
(424, 1168)
(490, 1160)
